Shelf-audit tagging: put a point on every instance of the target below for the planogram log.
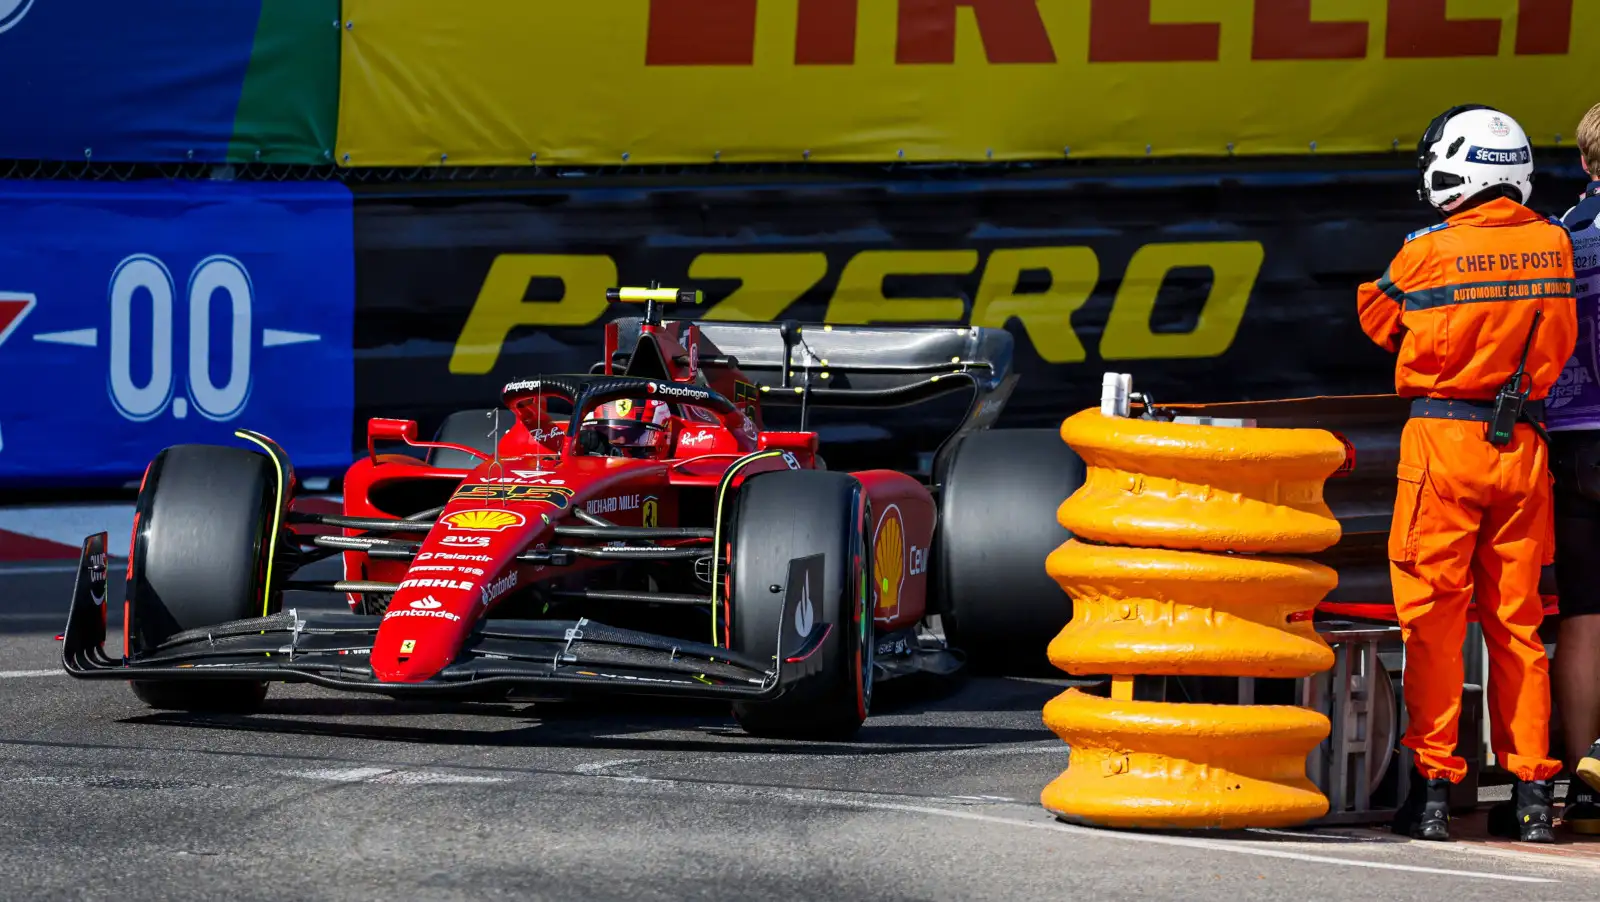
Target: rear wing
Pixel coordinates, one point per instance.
(860, 367)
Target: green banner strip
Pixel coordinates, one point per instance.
(289, 107)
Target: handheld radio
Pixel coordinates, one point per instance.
(1512, 396)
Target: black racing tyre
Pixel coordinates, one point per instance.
(795, 517)
(997, 524)
(472, 428)
(200, 553)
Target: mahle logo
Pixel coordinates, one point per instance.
(12, 11)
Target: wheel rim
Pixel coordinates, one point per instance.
(866, 632)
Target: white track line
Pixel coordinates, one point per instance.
(1193, 843)
(597, 767)
(18, 674)
(1237, 847)
(389, 776)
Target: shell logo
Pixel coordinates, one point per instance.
(484, 520)
(889, 561)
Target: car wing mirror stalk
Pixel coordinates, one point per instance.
(406, 431)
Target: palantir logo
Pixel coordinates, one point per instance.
(12, 11)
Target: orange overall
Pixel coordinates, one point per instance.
(1473, 519)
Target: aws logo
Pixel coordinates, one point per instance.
(12, 11)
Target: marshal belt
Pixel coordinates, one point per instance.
(1475, 411)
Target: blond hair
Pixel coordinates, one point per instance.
(1589, 139)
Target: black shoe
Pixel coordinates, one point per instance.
(1588, 767)
(1426, 813)
(1582, 814)
(1526, 816)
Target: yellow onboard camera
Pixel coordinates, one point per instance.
(652, 296)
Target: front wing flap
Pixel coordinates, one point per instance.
(330, 649)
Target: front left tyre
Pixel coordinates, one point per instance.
(199, 558)
(801, 535)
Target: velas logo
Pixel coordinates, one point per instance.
(484, 520)
(12, 11)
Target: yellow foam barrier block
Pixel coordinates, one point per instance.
(1218, 488)
(1157, 765)
(1156, 611)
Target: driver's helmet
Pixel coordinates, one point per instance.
(626, 428)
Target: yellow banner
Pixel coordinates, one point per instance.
(502, 82)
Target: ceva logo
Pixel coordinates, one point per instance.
(12, 11)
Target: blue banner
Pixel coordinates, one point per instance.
(134, 316)
(121, 81)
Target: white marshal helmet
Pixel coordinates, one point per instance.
(1469, 150)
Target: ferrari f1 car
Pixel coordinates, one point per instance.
(633, 529)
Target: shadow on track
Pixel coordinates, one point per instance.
(603, 723)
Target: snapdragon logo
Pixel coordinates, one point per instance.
(12, 11)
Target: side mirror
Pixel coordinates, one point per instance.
(389, 430)
(406, 431)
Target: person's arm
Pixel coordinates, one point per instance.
(1380, 304)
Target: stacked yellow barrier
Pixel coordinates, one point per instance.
(1179, 582)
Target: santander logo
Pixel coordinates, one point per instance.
(427, 604)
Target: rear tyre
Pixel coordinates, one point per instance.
(997, 524)
(472, 428)
(784, 517)
(199, 559)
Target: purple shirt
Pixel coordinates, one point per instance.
(1574, 402)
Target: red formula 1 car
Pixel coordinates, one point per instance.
(633, 529)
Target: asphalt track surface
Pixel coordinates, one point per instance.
(331, 796)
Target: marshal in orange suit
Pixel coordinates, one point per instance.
(1472, 518)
